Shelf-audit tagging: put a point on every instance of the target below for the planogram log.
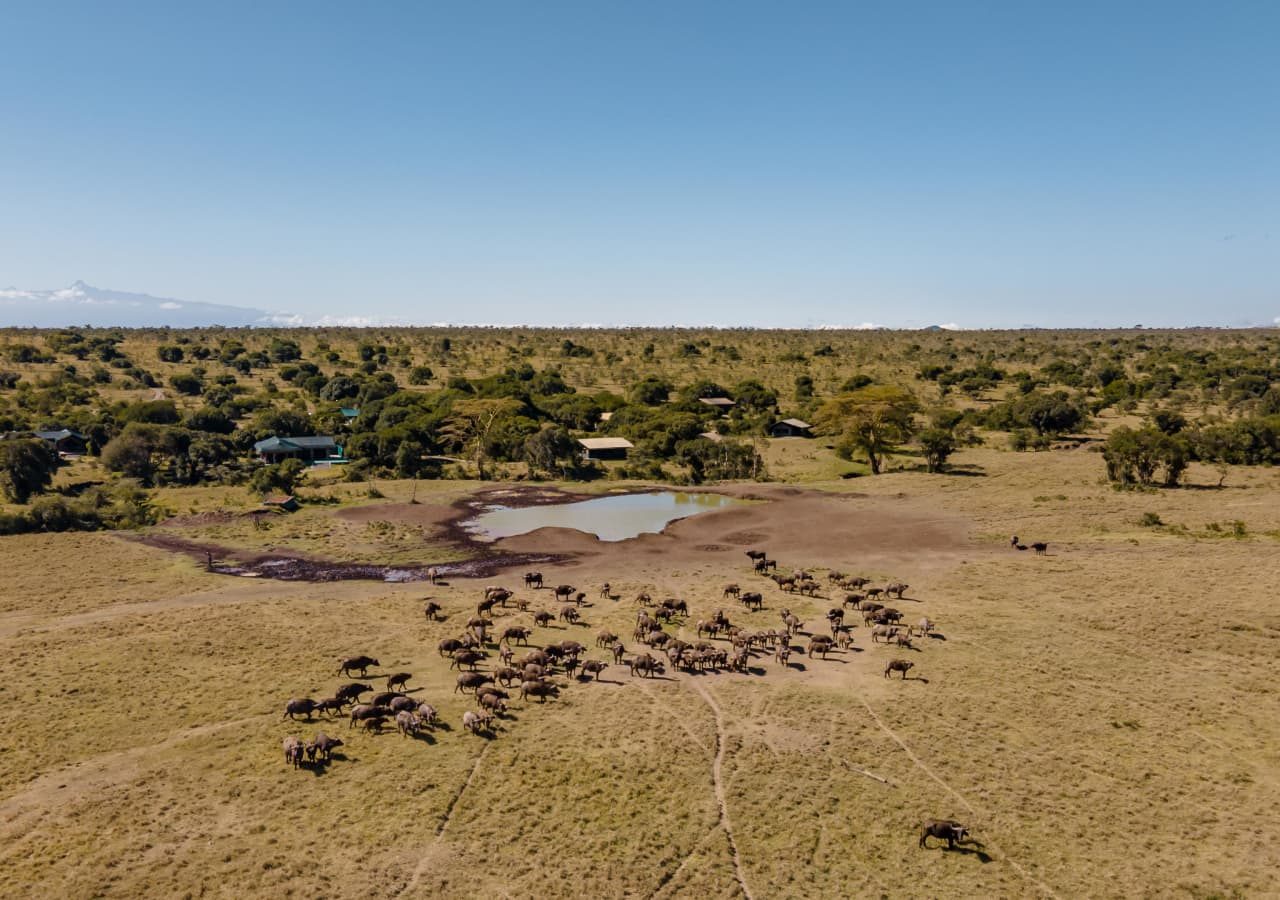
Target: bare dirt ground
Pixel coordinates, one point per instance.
(1104, 717)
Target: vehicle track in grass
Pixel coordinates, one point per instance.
(432, 850)
(956, 794)
(717, 782)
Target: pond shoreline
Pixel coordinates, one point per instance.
(482, 560)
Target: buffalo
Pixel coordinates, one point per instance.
(943, 829)
(540, 689)
(299, 707)
(352, 663)
(322, 745)
(898, 665)
(293, 751)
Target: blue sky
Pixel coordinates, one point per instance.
(980, 163)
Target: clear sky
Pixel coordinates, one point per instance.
(784, 163)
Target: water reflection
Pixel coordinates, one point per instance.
(614, 518)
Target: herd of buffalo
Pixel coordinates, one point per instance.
(495, 662)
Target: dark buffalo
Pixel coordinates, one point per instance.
(898, 665)
(471, 680)
(351, 692)
(540, 689)
(299, 707)
(351, 664)
(945, 830)
(594, 667)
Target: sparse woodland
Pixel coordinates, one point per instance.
(174, 408)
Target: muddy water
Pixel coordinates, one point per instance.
(614, 518)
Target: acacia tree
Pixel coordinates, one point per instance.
(874, 420)
(470, 423)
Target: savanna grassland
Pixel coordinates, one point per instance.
(1103, 717)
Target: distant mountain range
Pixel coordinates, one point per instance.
(84, 304)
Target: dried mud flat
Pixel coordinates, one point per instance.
(1100, 741)
(878, 531)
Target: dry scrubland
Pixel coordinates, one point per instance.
(1105, 718)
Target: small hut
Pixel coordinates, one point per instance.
(604, 448)
(790, 428)
(64, 440)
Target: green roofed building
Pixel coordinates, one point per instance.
(308, 449)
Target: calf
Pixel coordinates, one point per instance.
(323, 745)
(330, 705)
(407, 724)
(293, 751)
(475, 722)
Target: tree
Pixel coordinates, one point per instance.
(874, 420)
(719, 460)
(210, 419)
(280, 422)
(471, 421)
(1135, 456)
(130, 453)
(283, 350)
(652, 391)
(340, 387)
(550, 450)
(26, 468)
(282, 476)
(187, 383)
(157, 412)
(419, 375)
(804, 388)
(752, 396)
(937, 444)
(1047, 414)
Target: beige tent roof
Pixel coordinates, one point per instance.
(716, 401)
(711, 436)
(796, 423)
(609, 443)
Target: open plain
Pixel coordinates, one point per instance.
(1104, 717)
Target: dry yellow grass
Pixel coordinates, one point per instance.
(1105, 718)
